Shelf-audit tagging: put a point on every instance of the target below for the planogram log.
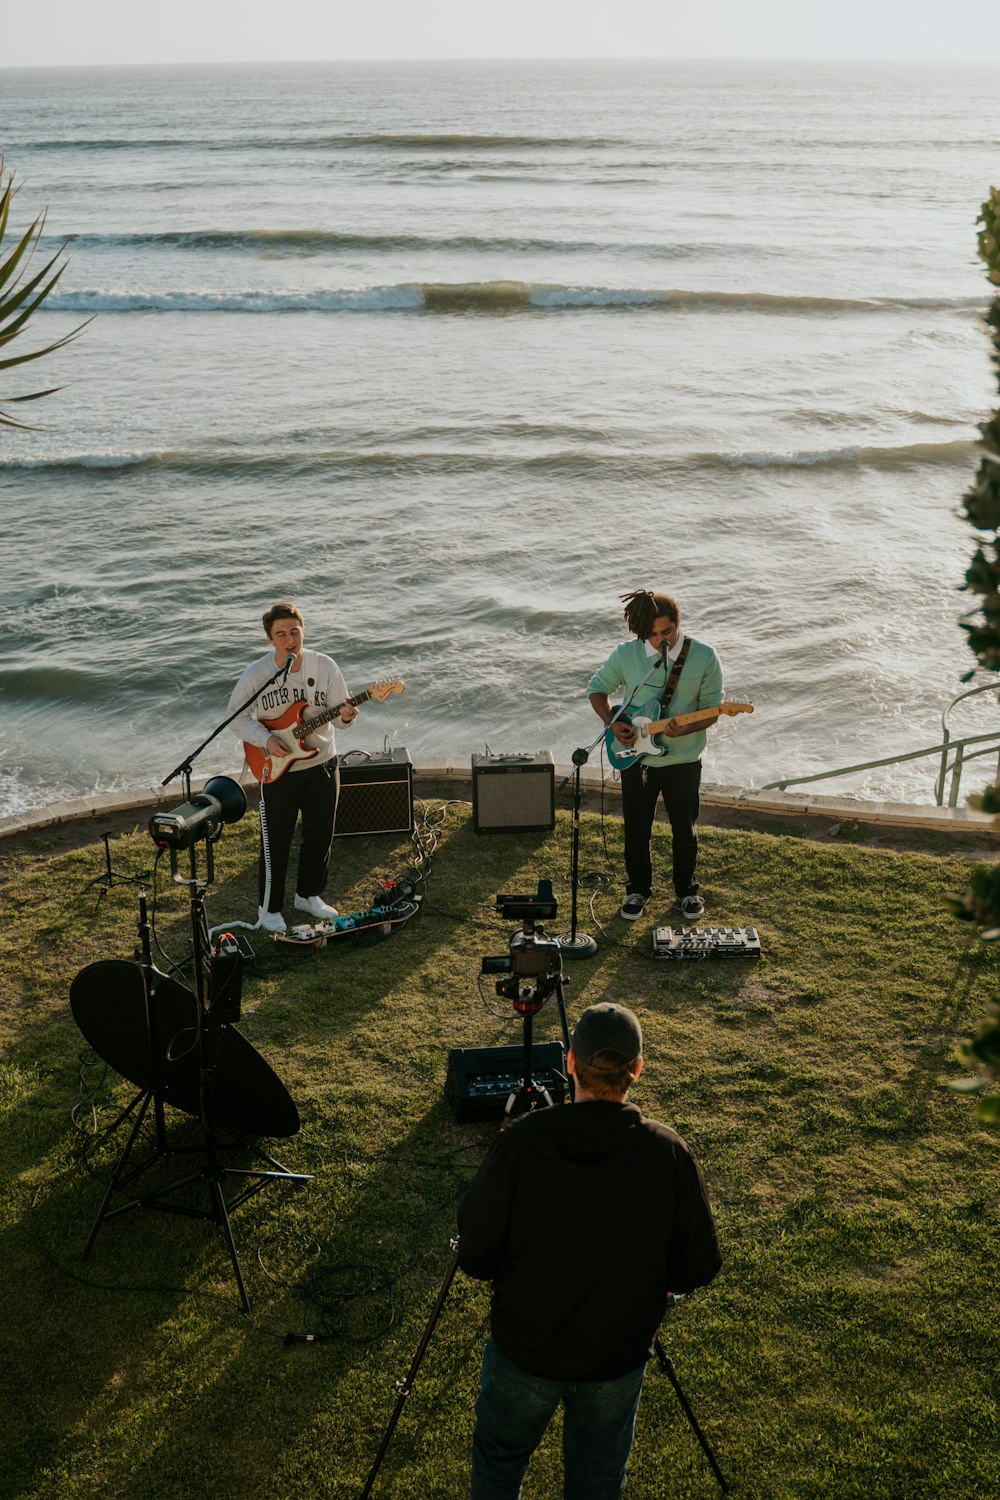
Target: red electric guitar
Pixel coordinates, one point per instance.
(293, 728)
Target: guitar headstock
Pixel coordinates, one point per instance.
(383, 690)
(736, 706)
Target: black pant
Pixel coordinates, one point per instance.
(313, 793)
(678, 785)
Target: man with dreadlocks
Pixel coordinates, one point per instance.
(689, 678)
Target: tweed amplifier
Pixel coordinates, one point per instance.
(513, 793)
(376, 793)
(481, 1079)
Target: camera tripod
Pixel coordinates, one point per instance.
(527, 1001)
(405, 1386)
(529, 1097)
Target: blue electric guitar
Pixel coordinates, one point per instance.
(646, 746)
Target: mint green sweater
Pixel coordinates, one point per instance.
(699, 686)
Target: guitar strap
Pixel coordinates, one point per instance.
(671, 687)
(668, 692)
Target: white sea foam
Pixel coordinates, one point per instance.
(484, 296)
(362, 299)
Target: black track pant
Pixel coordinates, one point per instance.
(313, 793)
(678, 785)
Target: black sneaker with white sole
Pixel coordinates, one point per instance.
(691, 907)
(633, 906)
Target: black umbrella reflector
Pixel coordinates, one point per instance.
(109, 1005)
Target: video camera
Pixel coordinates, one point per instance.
(533, 966)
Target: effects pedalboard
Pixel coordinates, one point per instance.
(376, 921)
(705, 942)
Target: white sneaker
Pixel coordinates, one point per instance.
(316, 907)
(270, 921)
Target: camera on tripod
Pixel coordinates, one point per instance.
(533, 966)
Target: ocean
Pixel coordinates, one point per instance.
(452, 355)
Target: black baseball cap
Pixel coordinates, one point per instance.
(607, 1028)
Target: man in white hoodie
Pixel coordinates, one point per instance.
(306, 787)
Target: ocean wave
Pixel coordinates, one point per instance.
(487, 297)
(348, 141)
(302, 461)
(329, 241)
(957, 451)
(452, 140)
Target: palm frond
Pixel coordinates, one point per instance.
(21, 295)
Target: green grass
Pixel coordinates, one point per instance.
(849, 1347)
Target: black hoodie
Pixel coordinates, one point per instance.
(585, 1217)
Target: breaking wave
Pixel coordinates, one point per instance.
(298, 462)
(488, 297)
(347, 141)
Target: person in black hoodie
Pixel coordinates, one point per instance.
(586, 1219)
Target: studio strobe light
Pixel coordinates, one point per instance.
(221, 801)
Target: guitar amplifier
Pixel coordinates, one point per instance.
(705, 942)
(481, 1079)
(513, 793)
(376, 793)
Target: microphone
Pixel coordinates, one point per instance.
(289, 664)
(665, 654)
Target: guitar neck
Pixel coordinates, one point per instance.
(659, 725)
(308, 725)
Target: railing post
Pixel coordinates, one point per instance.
(956, 774)
(942, 774)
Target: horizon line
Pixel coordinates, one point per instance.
(583, 57)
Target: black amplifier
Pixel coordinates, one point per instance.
(376, 793)
(705, 942)
(481, 1079)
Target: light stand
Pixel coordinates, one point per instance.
(187, 1078)
(108, 879)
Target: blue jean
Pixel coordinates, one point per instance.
(513, 1411)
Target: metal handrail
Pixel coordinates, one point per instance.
(960, 756)
(958, 746)
(887, 760)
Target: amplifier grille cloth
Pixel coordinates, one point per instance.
(374, 807)
(502, 801)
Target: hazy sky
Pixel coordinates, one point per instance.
(122, 31)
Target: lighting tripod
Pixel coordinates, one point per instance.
(131, 1037)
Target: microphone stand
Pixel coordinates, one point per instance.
(575, 944)
(184, 769)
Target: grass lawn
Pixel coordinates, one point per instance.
(849, 1347)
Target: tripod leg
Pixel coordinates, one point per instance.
(222, 1218)
(405, 1386)
(667, 1366)
(119, 1169)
